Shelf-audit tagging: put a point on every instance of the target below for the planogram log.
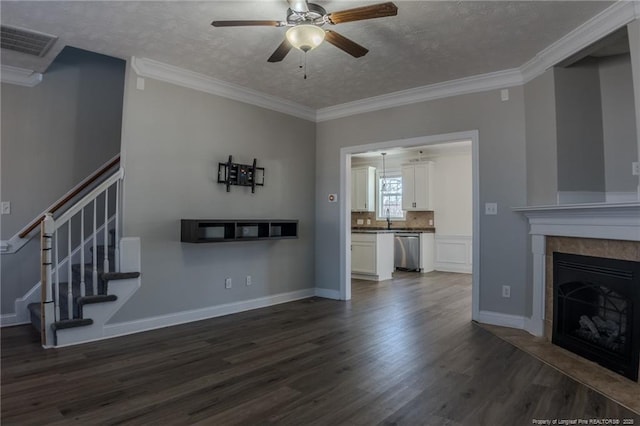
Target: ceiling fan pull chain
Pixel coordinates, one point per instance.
(305, 65)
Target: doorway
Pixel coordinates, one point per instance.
(345, 207)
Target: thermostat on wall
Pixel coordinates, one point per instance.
(333, 198)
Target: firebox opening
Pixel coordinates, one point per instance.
(597, 310)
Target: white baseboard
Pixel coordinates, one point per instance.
(461, 269)
(327, 293)
(535, 327)
(504, 320)
(10, 319)
(621, 197)
(161, 321)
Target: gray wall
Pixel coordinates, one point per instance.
(542, 155)
(579, 128)
(503, 179)
(173, 139)
(618, 123)
(53, 136)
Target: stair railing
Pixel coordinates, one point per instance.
(85, 227)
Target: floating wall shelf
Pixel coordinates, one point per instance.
(215, 230)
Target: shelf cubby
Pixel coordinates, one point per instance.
(216, 230)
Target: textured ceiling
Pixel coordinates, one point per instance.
(428, 42)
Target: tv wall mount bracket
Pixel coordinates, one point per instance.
(231, 173)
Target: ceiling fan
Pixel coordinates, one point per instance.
(306, 21)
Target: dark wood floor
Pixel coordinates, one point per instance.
(401, 352)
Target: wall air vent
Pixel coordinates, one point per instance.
(26, 41)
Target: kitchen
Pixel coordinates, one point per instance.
(411, 210)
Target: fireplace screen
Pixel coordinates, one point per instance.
(596, 310)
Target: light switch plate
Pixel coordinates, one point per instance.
(504, 94)
(635, 168)
(491, 208)
(5, 207)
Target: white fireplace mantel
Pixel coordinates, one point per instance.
(620, 221)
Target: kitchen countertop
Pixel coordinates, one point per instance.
(370, 230)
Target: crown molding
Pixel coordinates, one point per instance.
(462, 86)
(19, 76)
(620, 13)
(607, 21)
(171, 74)
(604, 23)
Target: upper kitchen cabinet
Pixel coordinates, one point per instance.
(363, 185)
(417, 186)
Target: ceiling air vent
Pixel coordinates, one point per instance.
(26, 41)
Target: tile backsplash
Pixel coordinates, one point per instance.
(414, 220)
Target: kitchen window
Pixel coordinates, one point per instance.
(390, 196)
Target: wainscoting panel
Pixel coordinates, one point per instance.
(454, 253)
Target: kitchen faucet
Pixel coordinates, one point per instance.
(388, 223)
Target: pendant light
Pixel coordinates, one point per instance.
(384, 182)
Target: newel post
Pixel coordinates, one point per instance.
(47, 307)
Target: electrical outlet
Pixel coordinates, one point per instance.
(5, 207)
(248, 279)
(360, 221)
(506, 291)
(368, 221)
(491, 208)
(635, 168)
(227, 283)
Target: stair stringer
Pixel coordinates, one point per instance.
(100, 313)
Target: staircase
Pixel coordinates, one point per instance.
(82, 282)
(82, 291)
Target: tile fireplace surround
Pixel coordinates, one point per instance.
(602, 230)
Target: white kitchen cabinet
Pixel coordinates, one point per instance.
(363, 189)
(372, 256)
(417, 186)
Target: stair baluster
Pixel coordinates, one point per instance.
(94, 253)
(117, 228)
(83, 290)
(56, 294)
(106, 231)
(69, 283)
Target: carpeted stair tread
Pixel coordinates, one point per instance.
(78, 322)
(111, 276)
(86, 300)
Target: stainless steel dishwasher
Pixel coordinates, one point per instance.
(407, 251)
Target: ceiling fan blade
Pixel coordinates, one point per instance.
(359, 13)
(246, 23)
(299, 6)
(280, 52)
(341, 42)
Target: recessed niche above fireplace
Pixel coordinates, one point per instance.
(597, 310)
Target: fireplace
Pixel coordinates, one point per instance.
(596, 310)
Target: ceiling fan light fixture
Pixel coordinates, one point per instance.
(305, 37)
